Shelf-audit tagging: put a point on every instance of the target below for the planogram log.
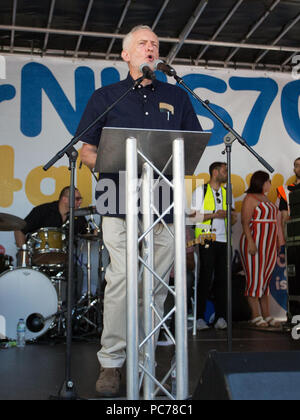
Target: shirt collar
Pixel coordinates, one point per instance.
(129, 80)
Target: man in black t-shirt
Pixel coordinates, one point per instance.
(53, 215)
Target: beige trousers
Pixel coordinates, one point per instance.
(113, 351)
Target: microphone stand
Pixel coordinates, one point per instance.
(67, 390)
(228, 140)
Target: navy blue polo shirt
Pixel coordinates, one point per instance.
(160, 106)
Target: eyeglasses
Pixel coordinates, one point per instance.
(218, 199)
(78, 198)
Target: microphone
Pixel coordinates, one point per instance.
(164, 67)
(36, 322)
(147, 72)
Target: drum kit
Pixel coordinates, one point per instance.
(35, 289)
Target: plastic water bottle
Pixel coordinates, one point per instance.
(173, 377)
(21, 330)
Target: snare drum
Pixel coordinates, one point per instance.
(48, 247)
(23, 293)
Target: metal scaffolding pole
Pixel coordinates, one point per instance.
(148, 279)
(152, 319)
(180, 271)
(132, 269)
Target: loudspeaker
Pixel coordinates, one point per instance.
(294, 199)
(292, 232)
(250, 376)
(293, 267)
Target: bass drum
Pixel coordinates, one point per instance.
(23, 293)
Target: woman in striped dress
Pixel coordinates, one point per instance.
(258, 246)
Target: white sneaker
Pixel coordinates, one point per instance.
(202, 325)
(221, 324)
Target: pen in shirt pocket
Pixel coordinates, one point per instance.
(169, 109)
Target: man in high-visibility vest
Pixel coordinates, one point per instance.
(283, 194)
(209, 205)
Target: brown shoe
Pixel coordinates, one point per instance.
(108, 383)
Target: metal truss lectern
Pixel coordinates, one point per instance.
(168, 155)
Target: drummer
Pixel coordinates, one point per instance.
(54, 214)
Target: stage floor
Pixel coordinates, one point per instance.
(38, 371)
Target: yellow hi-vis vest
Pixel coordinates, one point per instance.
(209, 205)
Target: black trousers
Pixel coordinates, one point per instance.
(212, 279)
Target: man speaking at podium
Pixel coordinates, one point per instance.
(151, 105)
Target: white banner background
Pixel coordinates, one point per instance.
(62, 86)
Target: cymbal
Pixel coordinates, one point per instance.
(10, 222)
(85, 211)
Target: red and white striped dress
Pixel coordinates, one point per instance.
(259, 267)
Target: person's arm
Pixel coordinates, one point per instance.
(284, 218)
(190, 121)
(248, 207)
(20, 238)
(234, 217)
(89, 155)
(220, 214)
(197, 214)
(190, 261)
(194, 214)
(96, 105)
(34, 220)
